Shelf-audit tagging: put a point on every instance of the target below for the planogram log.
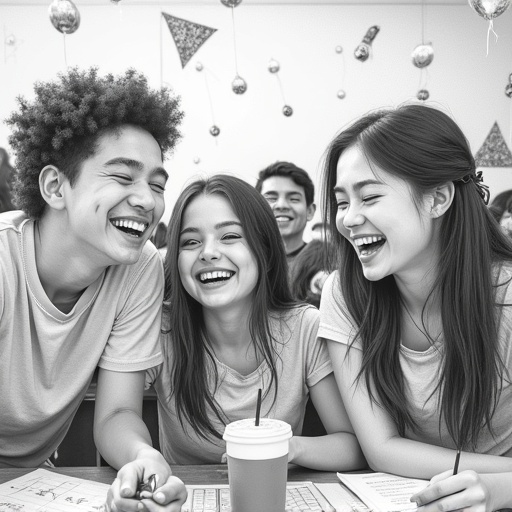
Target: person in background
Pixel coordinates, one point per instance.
(501, 208)
(6, 177)
(418, 316)
(231, 327)
(320, 231)
(290, 193)
(159, 238)
(79, 285)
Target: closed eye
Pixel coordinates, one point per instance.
(231, 236)
(370, 199)
(122, 177)
(189, 243)
(157, 187)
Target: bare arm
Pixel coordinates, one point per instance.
(339, 449)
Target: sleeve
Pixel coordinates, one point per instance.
(336, 324)
(318, 363)
(133, 344)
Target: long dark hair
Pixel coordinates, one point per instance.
(187, 333)
(425, 147)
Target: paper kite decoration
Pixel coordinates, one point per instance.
(187, 35)
(494, 151)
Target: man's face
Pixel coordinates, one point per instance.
(288, 202)
(117, 200)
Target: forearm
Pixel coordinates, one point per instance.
(415, 459)
(333, 452)
(122, 437)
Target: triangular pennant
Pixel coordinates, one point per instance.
(494, 151)
(187, 35)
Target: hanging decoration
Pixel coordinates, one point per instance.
(214, 130)
(188, 36)
(494, 151)
(490, 9)
(422, 55)
(341, 92)
(362, 51)
(64, 16)
(10, 46)
(508, 87)
(239, 85)
(274, 67)
(423, 95)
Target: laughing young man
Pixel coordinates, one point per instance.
(79, 285)
(290, 193)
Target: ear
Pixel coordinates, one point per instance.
(311, 211)
(441, 199)
(50, 185)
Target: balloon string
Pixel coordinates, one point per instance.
(491, 28)
(343, 70)
(422, 21)
(234, 39)
(209, 96)
(161, 55)
(281, 88)
(65, 55)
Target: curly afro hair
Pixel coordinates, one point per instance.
(62, 125)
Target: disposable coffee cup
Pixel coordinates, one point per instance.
(257, 464)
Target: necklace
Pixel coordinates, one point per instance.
(425, 333)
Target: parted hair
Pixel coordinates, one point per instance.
(63, 123)
(425, 147)
(190, 345)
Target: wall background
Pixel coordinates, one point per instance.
(302, 37)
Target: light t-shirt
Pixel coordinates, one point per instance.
(47, 357)
(421, 371)
(303, 362)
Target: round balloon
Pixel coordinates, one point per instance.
(489, 9)
(422, 95)
(341, 94)
(422, 55)
(215, 130)
(339, 49)
(362, 52)
(231, 3)
(239, 85)
(64, 16)
(199, 66)
(273, 66)
(287, 110)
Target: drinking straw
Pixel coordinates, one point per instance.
(258, 407)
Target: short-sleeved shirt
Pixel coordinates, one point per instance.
(47, 357)
(303, 362)
(421, 371)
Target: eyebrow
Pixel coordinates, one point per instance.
(359, 185)
(138, 166)
(220, 225)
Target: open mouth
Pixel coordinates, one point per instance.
(369, 244)
(215, 277)
(283, 218)
(130, 227)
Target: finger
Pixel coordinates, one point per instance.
(173, 490)
(152, 506)
(128, 480)
(441, 476)
(440, 489)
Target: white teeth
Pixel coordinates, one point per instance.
(215, 275)
(367, 240)
(131, 224)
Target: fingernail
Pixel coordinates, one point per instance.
(125, 492)
(160, 496)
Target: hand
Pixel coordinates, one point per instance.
(466, 490)
(170, 493)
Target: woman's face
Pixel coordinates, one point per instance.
(217, 267)
(506, 222)
(391, 234)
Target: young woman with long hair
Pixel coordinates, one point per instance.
(417, 316)
(231, 327)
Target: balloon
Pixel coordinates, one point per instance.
(489, 9)
(422, 95)
(231, 3)
(64, 16)
(362, 51)
(197, 160)
(287, 110)
(199, 66)
(239, 85)
(215, 130)
(273, 66)
(422, 55)
(339, 49)
(10, 40)
(341, 94)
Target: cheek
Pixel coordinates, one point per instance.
(340, 226)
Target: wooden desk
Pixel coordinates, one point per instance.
(191, 475)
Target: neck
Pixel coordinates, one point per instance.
(228, 327)
(293, 243)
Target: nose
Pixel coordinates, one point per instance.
(281, 203)
(352, 216)
(142, 196)
(209, 251)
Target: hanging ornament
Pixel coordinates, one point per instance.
(239, 85)
(287, 110)
(341, 94)
(423, 95)
(339, 49)
(64, 16)
(199, 66)
(494, 151)
(215, 130)
(273, 66)
(10, 40)
(231, 3)
(198, 160)
(362, 51)
(489, 9)
(422, 55)
(508, 88)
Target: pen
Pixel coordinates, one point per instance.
(149, 486)
(457, 458)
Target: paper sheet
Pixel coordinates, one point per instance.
(44, 491)
(383, 492)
